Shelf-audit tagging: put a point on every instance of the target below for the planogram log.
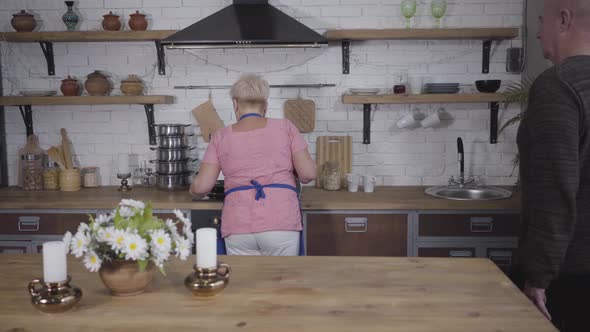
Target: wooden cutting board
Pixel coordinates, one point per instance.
(302, 113)
(208, 119)
(334, 148)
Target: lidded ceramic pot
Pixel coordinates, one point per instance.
(23, 21)
(97, 84)
(138, 22)
(69, 86)
(111, 22)
(132, 86)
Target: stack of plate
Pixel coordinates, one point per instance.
(441, 87)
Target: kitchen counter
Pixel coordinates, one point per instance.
(332, 294)
(384, 198)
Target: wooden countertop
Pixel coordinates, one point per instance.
(332, 294)
(384, 198)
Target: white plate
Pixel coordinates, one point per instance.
(364, 91)
(39, 93)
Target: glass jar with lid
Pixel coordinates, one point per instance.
(332, 176)
(51, 176)
(32, 172)
(91, 177)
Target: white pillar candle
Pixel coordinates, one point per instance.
(55, 268)
(123, 164)
(206, 248)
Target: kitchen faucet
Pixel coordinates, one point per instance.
(461, 182)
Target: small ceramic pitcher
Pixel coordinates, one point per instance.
(369, 182)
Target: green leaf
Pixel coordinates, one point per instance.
(162, 271)
(142, 265)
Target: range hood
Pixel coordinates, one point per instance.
(246, 24)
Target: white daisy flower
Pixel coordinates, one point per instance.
(126, 212)
(132, 203)
(79, 244)
(117, 242)
(92, 261)
(181, 216)
(83, 227)
(172, 228)
(102, 219)
(183, 248)
(106, 234)
(67, 240)
(161, 243)
(188, 232)
(135, 247)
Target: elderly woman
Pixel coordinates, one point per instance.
(261, 160)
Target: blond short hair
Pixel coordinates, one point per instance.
(251, 90)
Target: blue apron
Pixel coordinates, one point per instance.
(255, 184)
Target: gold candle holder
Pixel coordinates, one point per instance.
(207, 282)
(54, 297)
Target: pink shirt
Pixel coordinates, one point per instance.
(264, 155)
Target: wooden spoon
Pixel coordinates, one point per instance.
(65, 143)
(54, 155)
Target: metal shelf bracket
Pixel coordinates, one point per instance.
(149, 112)
(27, 113)
(485, 64)
(494, 110)
(346, 57)
(161, 58)
(366, 123)
(47, 48)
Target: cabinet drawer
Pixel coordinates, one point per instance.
(15, 247)
(458, 252)
(40, 223)
(504, 258)
(356, 235)
(469, 225)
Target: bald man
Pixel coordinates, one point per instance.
(554, 146)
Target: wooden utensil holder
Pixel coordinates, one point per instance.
(70, 180)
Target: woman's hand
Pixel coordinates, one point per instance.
(205, 180)
(537, 296)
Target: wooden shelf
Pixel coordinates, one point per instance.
(423, 98)
(85, 36)
(86, 100)
(47, 38)
(423, 34)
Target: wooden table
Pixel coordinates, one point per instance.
(288, 294)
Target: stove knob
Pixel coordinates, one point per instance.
(216, 221)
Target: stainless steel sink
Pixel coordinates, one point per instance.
(469, 193)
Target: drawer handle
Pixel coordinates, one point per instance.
(460, 253)
(356, 225)
(501, 258)
(28, 224)
(481, 225)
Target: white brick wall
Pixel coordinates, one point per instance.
(396, 157)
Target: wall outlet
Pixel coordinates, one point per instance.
(514, 59)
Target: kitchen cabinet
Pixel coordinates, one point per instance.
(356, 234)
(15, 247)
(468, 225)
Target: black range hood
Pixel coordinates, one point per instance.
(246, 24)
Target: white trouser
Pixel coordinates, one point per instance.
(276, 243)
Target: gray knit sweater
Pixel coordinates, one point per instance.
(554, 145)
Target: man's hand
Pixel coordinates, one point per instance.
(537, 296)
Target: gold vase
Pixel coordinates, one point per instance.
(207, 282)
(54, 297)
(123, 277)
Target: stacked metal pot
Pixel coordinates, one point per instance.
(173, 161)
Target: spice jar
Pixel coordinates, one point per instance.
(91, 177)
(51, 176)
(32, 171)
(332, 176)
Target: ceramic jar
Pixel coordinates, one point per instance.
(70, 87)
(137, 22)
(111, 22)
(70, 18)
(124, 278)
(97, 84)
(23, 22)
(132, 86)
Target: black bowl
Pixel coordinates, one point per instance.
(488, 86)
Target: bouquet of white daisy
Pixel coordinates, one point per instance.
(131, 232)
